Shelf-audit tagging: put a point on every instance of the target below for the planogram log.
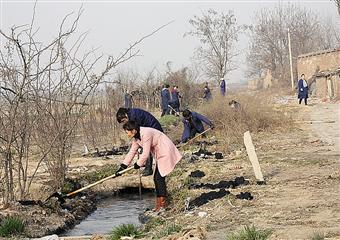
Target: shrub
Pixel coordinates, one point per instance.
(250, 233)
(256, 114)
(168, 120)
(128, 230)
(11, 225)
(318, 236)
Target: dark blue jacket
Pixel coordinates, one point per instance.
(197, 123)
(207, 94)
(175, 99)
(144, 118)
(165, 97)
(222, 86)
(302, 91)
(128, 100)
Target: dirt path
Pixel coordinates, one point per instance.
(302, 168)
(325, 123)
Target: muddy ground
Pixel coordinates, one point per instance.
(301, 165)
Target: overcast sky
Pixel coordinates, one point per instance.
(113, 25)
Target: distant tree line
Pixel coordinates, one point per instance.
(269, 42)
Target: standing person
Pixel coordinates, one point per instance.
(193, 124)
(222, 87)
(165, 99)
(207, 93)
(175, 104)
(143, 119)
(302, 89)
(158, 144)
(128, 100)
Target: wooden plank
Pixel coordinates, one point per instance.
(252, 156)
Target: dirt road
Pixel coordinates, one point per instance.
(302, 168)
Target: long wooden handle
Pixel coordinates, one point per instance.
(100, 181)
(191, 140)
(177, 113)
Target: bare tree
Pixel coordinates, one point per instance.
(218, 33)
(269, 42)
(45, 90)
(337, 3)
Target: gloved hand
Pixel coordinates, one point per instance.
(136, 166)
(301, 89)
(121, 168)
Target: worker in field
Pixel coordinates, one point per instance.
(143, 119)
(161, 147)
(166, 98)
(193, 124)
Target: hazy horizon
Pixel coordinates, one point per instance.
(113, 25)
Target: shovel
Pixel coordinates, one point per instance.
(192, 139)
(61, 197)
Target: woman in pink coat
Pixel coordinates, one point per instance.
(164, 151)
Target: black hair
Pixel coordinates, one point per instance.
(186, 113)
(302, 74)
(132, 125)
(166, 85)
(121, 114)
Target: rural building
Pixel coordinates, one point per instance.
(254, 84)
(264, 82)
(322, 70)
(327, 84)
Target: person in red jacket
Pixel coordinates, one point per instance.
(161, 147)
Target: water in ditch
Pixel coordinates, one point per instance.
(112, 212)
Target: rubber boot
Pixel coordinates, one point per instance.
(158, 204)
(161, 204)
(148, 167)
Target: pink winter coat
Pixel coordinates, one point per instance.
(156, 142)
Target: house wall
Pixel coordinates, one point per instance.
(321, 87)
(309, 64)
(328, 87)
(336, 81)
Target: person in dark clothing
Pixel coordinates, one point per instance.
(207, 96)
(143, 119)
(165, 99)
(193, 124)
(302, 89)
(222, 87)
(175, 104)
(128, 100)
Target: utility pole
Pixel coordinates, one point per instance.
(290, 61)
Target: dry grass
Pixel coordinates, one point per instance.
(257, 114)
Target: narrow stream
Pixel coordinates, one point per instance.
(112, 212)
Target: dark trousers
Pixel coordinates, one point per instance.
(148, 166)
(300, 100)
(165, 112)
(193, 132)
(160, 184)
